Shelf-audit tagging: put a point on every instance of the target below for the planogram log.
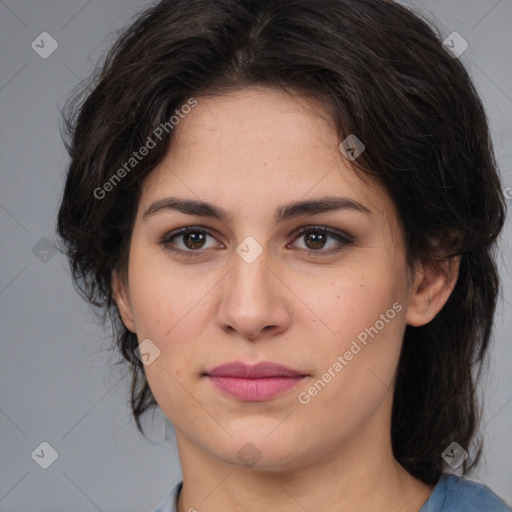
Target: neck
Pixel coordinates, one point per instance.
(361, 474)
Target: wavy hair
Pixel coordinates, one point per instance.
(381, 72)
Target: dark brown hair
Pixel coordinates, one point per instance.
(382, 74)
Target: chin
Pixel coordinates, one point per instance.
(263, 452)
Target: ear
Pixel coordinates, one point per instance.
(431, 289)
(121, 296)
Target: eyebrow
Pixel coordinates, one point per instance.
(282, 213)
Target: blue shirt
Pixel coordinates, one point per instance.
(451, 494)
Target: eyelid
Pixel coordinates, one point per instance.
(343, 240)
(324, 229)
(170, 236)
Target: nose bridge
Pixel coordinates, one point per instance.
(249, 278)
(249, 301)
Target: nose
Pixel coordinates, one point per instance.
(255, 303)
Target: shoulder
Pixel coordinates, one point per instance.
(454, 494)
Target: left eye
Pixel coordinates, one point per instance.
(315, 238)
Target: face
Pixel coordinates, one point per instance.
(325, 293)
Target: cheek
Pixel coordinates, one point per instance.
(171, 319)
(162, 294)
(168, 310)
(361, 316)
(356, 366)
(344, 303)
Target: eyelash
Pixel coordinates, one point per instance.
(345, 240)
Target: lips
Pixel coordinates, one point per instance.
(259, 382)
(257, 371)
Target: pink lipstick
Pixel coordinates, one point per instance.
(255, 383)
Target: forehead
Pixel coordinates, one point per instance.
(258, 147)
(257, 125)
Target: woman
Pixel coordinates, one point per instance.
(290, 209)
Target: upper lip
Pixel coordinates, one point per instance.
(257, 371)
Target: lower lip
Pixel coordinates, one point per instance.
(254, 390)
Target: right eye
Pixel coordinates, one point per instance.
(192, 240)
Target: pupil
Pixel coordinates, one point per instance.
(195, 238)
(318, 240)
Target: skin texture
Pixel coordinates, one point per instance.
(249, 152)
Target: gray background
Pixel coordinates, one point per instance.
(56, 385)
